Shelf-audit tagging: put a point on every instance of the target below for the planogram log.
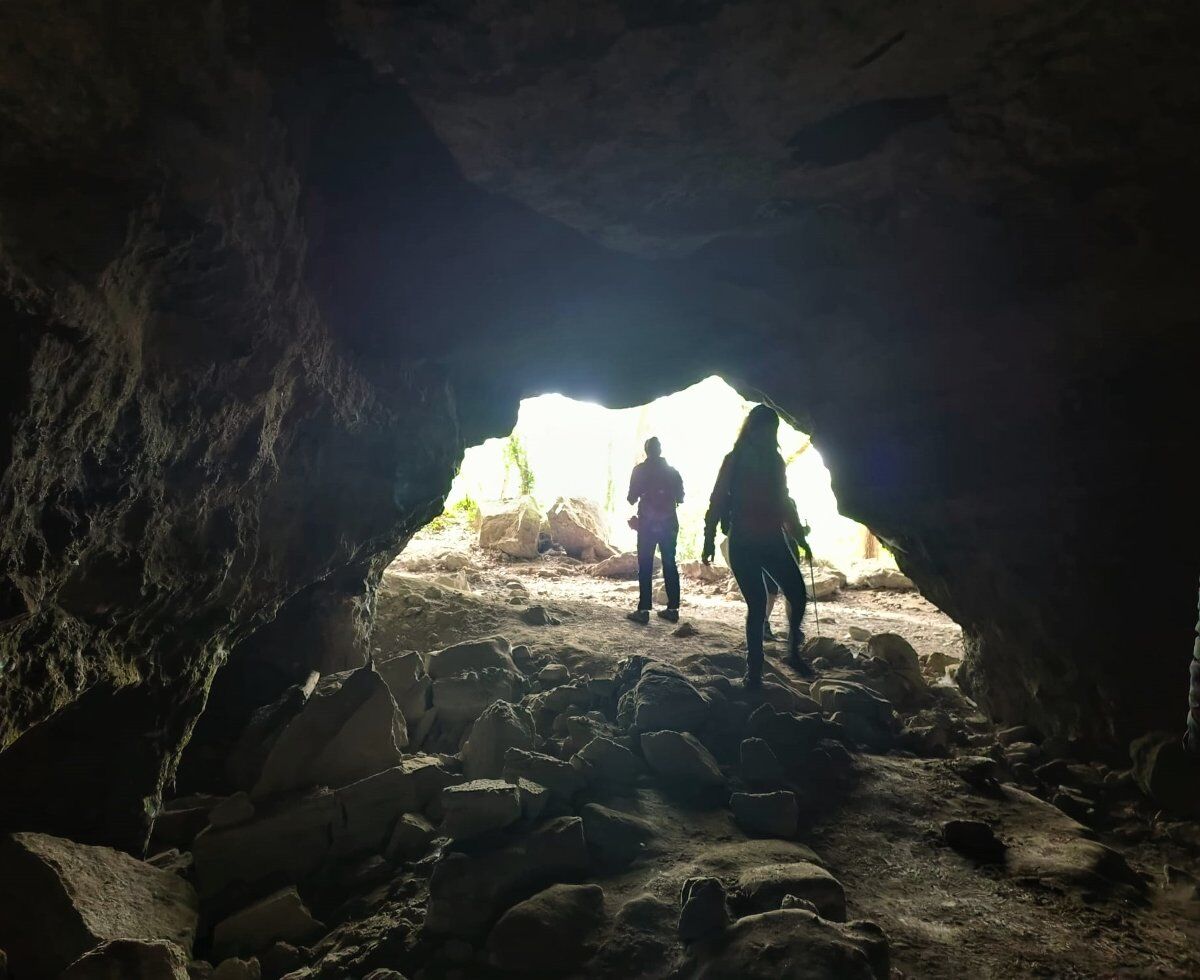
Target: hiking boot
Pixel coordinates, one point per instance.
(670, 615)
(639, 616)
(801, 665)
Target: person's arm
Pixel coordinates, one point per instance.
(678, 488)
(717, 503)
(792, 525)
(635, 488)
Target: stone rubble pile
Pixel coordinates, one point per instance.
(458, 814)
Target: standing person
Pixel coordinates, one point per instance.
(751, 504)
(657, 489)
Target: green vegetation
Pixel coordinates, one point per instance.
(516, 458)
(464, 512)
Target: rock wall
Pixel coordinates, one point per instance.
(265, 271)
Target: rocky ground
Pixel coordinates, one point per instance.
(524, 783)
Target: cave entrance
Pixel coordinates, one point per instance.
(505, 533)
(562, 448)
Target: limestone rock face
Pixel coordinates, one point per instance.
(577, 524)
(59, 899)
(241, 367)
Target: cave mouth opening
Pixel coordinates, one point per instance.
(562, 449)
(539, 518)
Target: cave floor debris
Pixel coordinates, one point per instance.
(946, 914)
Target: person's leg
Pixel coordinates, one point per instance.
(645, 553)
(772, 595)
(670, 565)
(780, 562)
(745, 560)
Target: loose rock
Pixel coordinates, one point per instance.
(792, 944)
(550, 933)
(350, 728)
(501, 727)
(703, 910)
(59, 899)
(766, 814)
(280, 917)
(479, 807)
(681, 759)
(616, 839)
(128, 959)
(763, 889)
(604, 761)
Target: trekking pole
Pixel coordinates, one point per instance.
(813, 579)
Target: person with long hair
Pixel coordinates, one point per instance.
(750, 503)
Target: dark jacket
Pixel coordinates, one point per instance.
(657, 489)
(750, 497)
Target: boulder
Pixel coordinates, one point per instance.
(759, 764)
(59, 899)
(561, 778)
(461, 698)
(512, 529)
(280, 917)
(406, 678)
(622, 566)
(180, 820)
(703, 911)
(824, 582)
(855, 699)
(538, 616)
(577, 525)
(858, 633)
(129, 959)
(551, 933)
(553, 675)
(878, 574)
(616, 839)
(828, 649)
(679, 758)
(791, 944)
(604, 761)
(787, 733)
(493, 652)
(289, 842)
(231, 811)
(1166, 772)
(763, 889)
(501, 727)
(348, 729)
(467, 892)
(409, 838)
(237, 969)
(707, 574)
(766, 814)
(974, 838)
(898, 668)
(662, 699)
(478, 807)
(266, 724)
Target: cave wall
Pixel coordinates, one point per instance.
(264, 272)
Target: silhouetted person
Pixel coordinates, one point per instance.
(751, 504)
(657, 489)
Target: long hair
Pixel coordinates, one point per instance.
(760, 430)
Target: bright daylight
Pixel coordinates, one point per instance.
(566, 448)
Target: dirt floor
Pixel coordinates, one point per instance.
(1058, 903)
